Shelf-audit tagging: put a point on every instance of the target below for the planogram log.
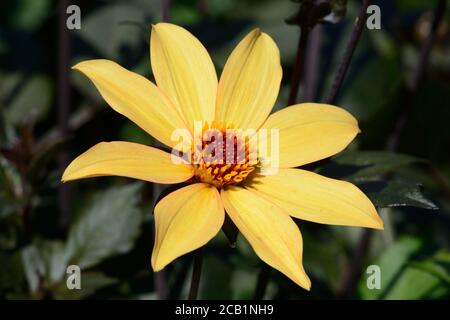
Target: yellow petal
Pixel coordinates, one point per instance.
(250, 81)
(127, 159)
(310, 196)
(186, 220)
(184, 71)
(135, 97)
(310, 132)
(273, 235)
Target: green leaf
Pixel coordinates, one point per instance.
(416, 284)
(55, 258)
(30, 14)
(406, 278)
(400, 193)
(443, 256)
(372, 165)
(437, 265)
(112, 28)
(44, 263)
(32, 101)
(108, 226)
(34, 267)
(370, 171)
(391, 264)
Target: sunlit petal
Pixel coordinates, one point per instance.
(250, 82)
(186, 220)
(310, 132)
(127, 159)
(270, 231)
(309, 196)
(184, 71)
(135, 97)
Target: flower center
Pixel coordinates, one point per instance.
(223, 156)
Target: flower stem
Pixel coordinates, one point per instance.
(165, 10)
(353, 270)
(64, 105)
(160, 284)
(263, 281)
(356, 34)
(312, 58)
(196, 274)
(298, 67)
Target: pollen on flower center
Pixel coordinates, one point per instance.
(223, 156)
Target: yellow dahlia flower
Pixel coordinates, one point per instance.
(261, 206)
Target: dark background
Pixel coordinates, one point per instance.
(50, 114)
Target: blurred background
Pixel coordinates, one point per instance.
(50, 114)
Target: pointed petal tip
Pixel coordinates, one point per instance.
(156, 261)
(379, 225)
(92, 63)
(304, 283)
(155, 265)
(80, 65)
(256, 33)
(64, 177)
(376, 223)
(373, 221)
(307, 286)
(154, 26)
(160, 25)
(76, 66)
(303, 280)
